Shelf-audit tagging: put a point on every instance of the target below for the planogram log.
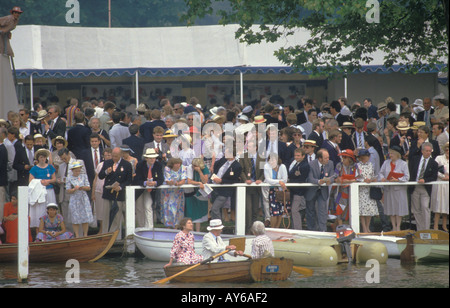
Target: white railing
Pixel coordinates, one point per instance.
(23, 247)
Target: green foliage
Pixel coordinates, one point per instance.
(412, 33)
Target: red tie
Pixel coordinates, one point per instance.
(95, 158)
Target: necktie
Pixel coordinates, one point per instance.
(149, 176)
(360, 145)
(95, 158)
(253, 170)
(422, 169)
(30, 156)
(322, 173)
(115, 167)
(309, 158)
(426, 116)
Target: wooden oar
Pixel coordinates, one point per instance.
(301, 270)
(162, 281)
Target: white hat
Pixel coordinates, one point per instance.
(418, 102)
(247, 109)
(150, 153)
(243, 117)
(215, 224)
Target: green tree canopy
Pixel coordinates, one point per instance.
(413, 33)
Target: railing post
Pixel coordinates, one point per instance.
(23, 226)
(130, 202)
(354, 206)
(240, 210)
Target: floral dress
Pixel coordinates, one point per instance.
(173, 198)
(367, 205)
(183, 250)
(53, 226)
(79, 204)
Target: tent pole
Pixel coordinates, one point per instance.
(345, 87)
(242, 88)
(137, 88)
(31, 92)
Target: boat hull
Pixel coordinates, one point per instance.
(85, 249)
(428, 245)
(267, 269)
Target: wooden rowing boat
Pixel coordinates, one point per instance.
(427, 246)
(85, 249)
(255, 270)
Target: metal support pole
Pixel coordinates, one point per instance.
(242, 88)
(23, 226)
(137, 88)
(31, 92)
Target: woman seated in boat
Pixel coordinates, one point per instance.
(51, 226)
(183, 250)
(262, 246)
(213, 244)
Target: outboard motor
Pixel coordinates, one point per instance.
(344, 236)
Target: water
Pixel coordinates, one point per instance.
(134, 272)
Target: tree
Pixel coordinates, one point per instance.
(344, 34)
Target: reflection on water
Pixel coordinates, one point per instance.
(140, 273)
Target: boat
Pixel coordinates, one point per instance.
(427, 246)
(85, 249)
(254, 270)
(156, 243)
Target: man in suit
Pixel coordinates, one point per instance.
(425, 115)
(423, 135)
(335, 110)
(119, 131)
(145, 198)
(92, 156)
(274, 145)
(78, 136)
(371, 109)
(153, 120)
(3, 169)
(24, 160)
(303, 117)
(423, 169)
(359, 135)
(135, 142)
(298, 172)
(160, 145)
(117, 174)
(316, 135)
(332, 146)
(56, 126)
(226, 171)
(321, 172)
(252, 173)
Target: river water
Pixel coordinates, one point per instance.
(135, 272)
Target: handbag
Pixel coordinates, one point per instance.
(375, 193)
(282, 196)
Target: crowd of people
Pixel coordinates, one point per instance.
(79, 159)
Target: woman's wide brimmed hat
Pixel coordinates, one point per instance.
(215, 224)
(59, 138)
(169, 134)
(76, 164)
(348, 153)
(44, 152)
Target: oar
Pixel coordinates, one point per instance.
(301, 270)
(162, 281)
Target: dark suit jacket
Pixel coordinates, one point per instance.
(355, 140)
(246, 164)
(146, 129)
(314, 176)
(301, 118)
(228, 178)
(317, 138)
(347, 142)
(421, 115)
(122, 175)
(59, 129)
(284, 153)
(78, 138)
(20, 161)
(299, 174)
(416, 151)
(431, 172)
(342, 118)
(334, 157)
(142, 174)
(86, 156)
(3, 165)
(136, 144)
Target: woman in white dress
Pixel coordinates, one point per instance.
(439, 195)
(367, 206)
(395, 169)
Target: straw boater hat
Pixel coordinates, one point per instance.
(169, 134)
(259, 119)
(76, 164)
(215, 224)
(310, 143)
(151, 153)
(381, 106)
(141, 108)
(38, 136)
(348, 153)
(403, 125)
(59, 138)
(347, 125)
(41, 115)
(418, 124)
(42, 151)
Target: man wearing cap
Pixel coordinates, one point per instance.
(149, 173)
(7, 24)
(213, 244)
(309, 146)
